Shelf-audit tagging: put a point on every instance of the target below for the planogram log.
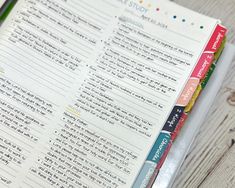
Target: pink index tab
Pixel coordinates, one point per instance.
(188, 91)
(203, 65)
(216, 39)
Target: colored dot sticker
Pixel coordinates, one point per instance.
(174, 17)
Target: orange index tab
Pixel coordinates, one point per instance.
(188, 91)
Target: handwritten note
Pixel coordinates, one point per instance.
(86, 86)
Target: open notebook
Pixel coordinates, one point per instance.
(91, 92)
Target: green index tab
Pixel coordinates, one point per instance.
(208, 75)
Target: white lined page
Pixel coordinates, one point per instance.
(96, 82)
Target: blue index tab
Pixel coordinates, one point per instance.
(145, 175)
(173, 118)
(153, 158)
(159, 147)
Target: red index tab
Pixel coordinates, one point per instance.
(203, 65)
(179, 126)
(216, 39)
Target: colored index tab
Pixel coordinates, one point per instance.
(188, 91)
(216, 39)
(208, 75)
(194, 98)
(203, 65)
(173, 118)
(159, 147)
(179, 126)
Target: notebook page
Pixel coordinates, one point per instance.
(86, 86)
